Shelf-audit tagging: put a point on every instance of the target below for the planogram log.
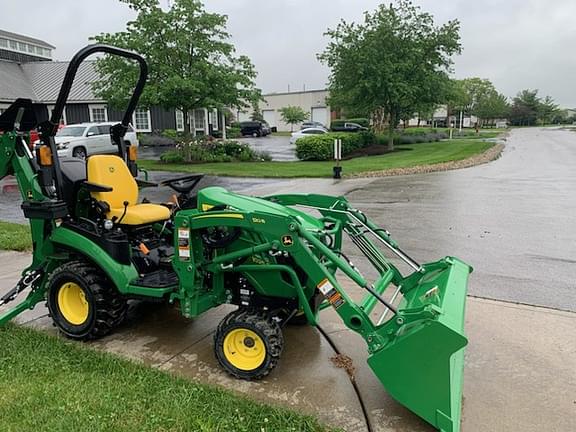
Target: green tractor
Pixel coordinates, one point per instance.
(96, 247)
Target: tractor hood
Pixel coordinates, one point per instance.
(211, 197)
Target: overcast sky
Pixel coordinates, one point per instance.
(516, 44)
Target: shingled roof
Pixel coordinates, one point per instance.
(41, 81)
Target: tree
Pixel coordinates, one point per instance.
(256, 113)
(528, 109)
(493, 106)
(191, 62)
(392, 63)
(292, 115)
(548, 110)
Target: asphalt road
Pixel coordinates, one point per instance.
(513, 220)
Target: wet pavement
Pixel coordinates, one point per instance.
(278, 147)
(513, 220)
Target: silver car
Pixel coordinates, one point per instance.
(85, 139)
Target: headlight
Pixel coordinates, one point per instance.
(62, 146)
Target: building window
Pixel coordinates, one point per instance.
(62, 119)
(199, 117)
(142, 120)
(3, 43)
(22, 46)
(179, 121)
(13, 45)
(31, 49)
(98, 113)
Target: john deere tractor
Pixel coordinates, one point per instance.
(277, 258)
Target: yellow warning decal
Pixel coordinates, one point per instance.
(206, 207)
(330, 293)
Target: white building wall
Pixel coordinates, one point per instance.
(309, 101)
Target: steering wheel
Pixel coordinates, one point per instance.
(183, 185)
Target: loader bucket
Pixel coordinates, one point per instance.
(422, 366)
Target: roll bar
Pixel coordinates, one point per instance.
(47, 130)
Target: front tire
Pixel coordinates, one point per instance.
(248, 344)
(83, 303)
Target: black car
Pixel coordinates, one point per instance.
(312, 124)
(349, 127)
(252, 128)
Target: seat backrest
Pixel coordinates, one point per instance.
(109, 170)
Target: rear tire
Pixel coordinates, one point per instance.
(248, 344)
(82, 302)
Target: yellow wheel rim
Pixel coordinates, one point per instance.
(72, 303)
(244, 349)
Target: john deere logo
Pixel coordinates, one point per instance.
(287, 240)
(111, 169)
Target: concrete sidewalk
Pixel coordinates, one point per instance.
(520, 372)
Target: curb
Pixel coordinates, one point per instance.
(489, 155)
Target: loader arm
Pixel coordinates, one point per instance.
(416, 346)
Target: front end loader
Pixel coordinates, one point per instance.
(279, 258)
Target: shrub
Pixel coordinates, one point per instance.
(321, 147)
(207, 150)
(233, 132)
(172, 134)
(156, 140)
(340, 122)
(172, 156)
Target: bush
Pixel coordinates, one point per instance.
(156, 140)
(234, 132)
(207, 150)
(321, 147)
(340, 122)
(171, 156)
(172, 134)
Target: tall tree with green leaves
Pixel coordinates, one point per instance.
(493, 106)
(529, 109)
(293, 115)
(548, 110)
(395, 61)
(192, 63)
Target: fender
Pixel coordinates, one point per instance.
(120, 274)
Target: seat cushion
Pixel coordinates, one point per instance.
(141, 214)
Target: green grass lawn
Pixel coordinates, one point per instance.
(48, 384)
(405, 156)
(15, 236)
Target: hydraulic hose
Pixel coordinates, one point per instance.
(352, 381)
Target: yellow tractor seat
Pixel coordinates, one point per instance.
(109, 170)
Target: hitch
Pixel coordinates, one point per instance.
(28, 280)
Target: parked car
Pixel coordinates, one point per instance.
(266, 129)
(312, 124)
(306, 132)
(85, 139)
(349, 127)
(252, 128)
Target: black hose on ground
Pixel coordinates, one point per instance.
(352, 380)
